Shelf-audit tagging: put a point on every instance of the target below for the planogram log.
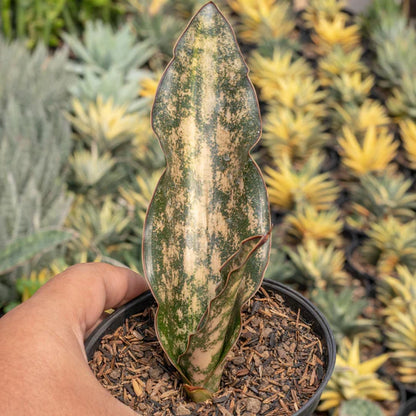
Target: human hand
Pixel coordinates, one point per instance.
(43, 366)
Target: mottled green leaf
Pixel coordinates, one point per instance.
(211, 196)
(203, 361)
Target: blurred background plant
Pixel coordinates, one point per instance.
(43, 20)
(35, 143)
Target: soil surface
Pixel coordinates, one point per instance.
(275, 367)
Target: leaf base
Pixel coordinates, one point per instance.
(197, 394)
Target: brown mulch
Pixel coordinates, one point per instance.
(275, 367)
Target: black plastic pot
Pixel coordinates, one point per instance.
(408, 407)
(294, 300)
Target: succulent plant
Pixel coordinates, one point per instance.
(401, 340)
(103, 123)
(109, 64)
(397, 291)
(392, 40)
(264, 21)
(89, 167)
(25, 248)
(408, 136)
(372, 153)
(391, 243)
(344, 313)
(292, 134)
(144, 149)
(353, 379)
(309, 224)
(104, 49)
(352, 88)
(293, 188)
(318, 266)
(396, 57)
(298, 94)
(34, 147)
(338, 62)
(402, 103)
(360, 407)
(336, 31)
(381, 16)
(205, 251)
(377, 197)
(288, 81)
(138, 197)
(101, 226)
(359, 118)
(266, 71)
(322, 9)
(156, 23)
(280, 268)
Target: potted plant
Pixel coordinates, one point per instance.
(206, 235)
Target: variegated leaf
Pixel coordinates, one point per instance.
(211, 196)
(203, 361)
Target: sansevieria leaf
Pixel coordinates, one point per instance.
(204, 248)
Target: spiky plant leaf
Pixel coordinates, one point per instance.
(103, 123)
(359, 118)
(371, 154)
(381, 15)
(354, 379)
(325, 9)
(391, 243)
(103, 49)
(24, 248)
(333, 32)
(360, 407)
(309, 224)
(401, 339)
(101, 226)
(377, 197)
(396, 57)
(211, 196)
(288, 81)
(282, 64)
(155, 22)
(291, 187)
(408, 136)
(351, 88)
(402, 103)
(113, 85)
(89, 167)
(264, 20)
(298, 94)
(397, 291)
(318, 266)
(338, 62)
(293, 134)
(34, 146)
(344, 313)
(137, 198)
(280, 268)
